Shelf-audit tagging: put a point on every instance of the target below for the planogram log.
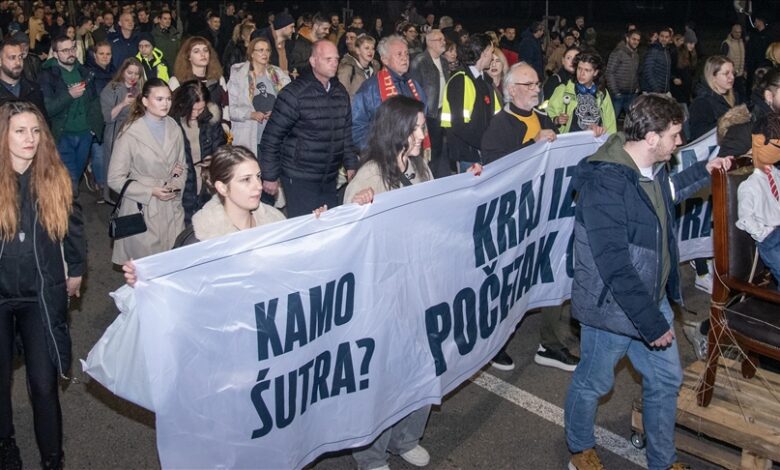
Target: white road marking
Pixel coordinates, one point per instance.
(554, 414)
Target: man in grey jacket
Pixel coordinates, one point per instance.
(623, 73)
(430, 70)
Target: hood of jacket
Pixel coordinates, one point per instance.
(612, 152)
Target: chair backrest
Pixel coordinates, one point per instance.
(735, 250)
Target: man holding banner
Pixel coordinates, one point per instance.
(626, 272)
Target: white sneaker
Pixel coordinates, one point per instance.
(418, 456)
(704, 283)
(383, 467)
(697, 339)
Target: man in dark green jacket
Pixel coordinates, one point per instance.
(73, 106)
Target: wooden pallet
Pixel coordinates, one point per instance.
(743, 414)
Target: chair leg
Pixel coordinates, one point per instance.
(707, 385)
(749, 365)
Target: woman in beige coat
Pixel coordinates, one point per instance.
(149, 151)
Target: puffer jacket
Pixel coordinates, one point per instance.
(46, 265)
(309, 135)
(618, 262)
(623, 71)
(656, 71)
(706, 109)
(210, 136)
(367, 100)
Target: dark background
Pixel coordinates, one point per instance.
(713, 18)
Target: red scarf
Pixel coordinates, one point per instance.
(388, 89)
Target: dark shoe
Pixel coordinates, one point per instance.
(52, 462)
(502, 361)
(558, 358)
(9, 454)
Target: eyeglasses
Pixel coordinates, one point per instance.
(530, 85)
(72, 49)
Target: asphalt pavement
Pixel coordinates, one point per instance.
(497, 420)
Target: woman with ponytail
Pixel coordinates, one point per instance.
(39, 223)
(148, 156)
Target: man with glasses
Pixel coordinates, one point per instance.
(73, 105)
(518, 125)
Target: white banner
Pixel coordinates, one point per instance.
(694, 215)
(272, 346)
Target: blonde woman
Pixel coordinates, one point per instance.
(252, 91)
(713, 97)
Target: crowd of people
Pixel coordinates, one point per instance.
(217, 121)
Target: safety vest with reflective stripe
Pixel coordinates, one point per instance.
(469, 100)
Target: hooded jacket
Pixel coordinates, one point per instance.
(47, 263)
(618, 242)
(564, 100)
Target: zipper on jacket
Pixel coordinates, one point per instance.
(43, 301)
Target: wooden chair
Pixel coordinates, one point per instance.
(741, 311)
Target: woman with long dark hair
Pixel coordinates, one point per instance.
(39, 223)
(203, 134)
(149, 157)
(393, 159)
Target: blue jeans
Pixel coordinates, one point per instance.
(595, 377)
(99, 169)
(622, 102)
(74, 150)
(769, 250)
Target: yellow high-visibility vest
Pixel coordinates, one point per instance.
(469, 100)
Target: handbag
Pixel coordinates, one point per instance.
(127, 225)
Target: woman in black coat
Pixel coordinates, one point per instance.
(714, 97)
(39, 223)
(199, 120)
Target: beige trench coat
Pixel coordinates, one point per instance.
(138, 156)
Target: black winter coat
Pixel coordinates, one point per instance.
(655, 74)
(211, 137)
(47, 267)
(309, 135)
(29, 91)
(617, 239)
(706, 109)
